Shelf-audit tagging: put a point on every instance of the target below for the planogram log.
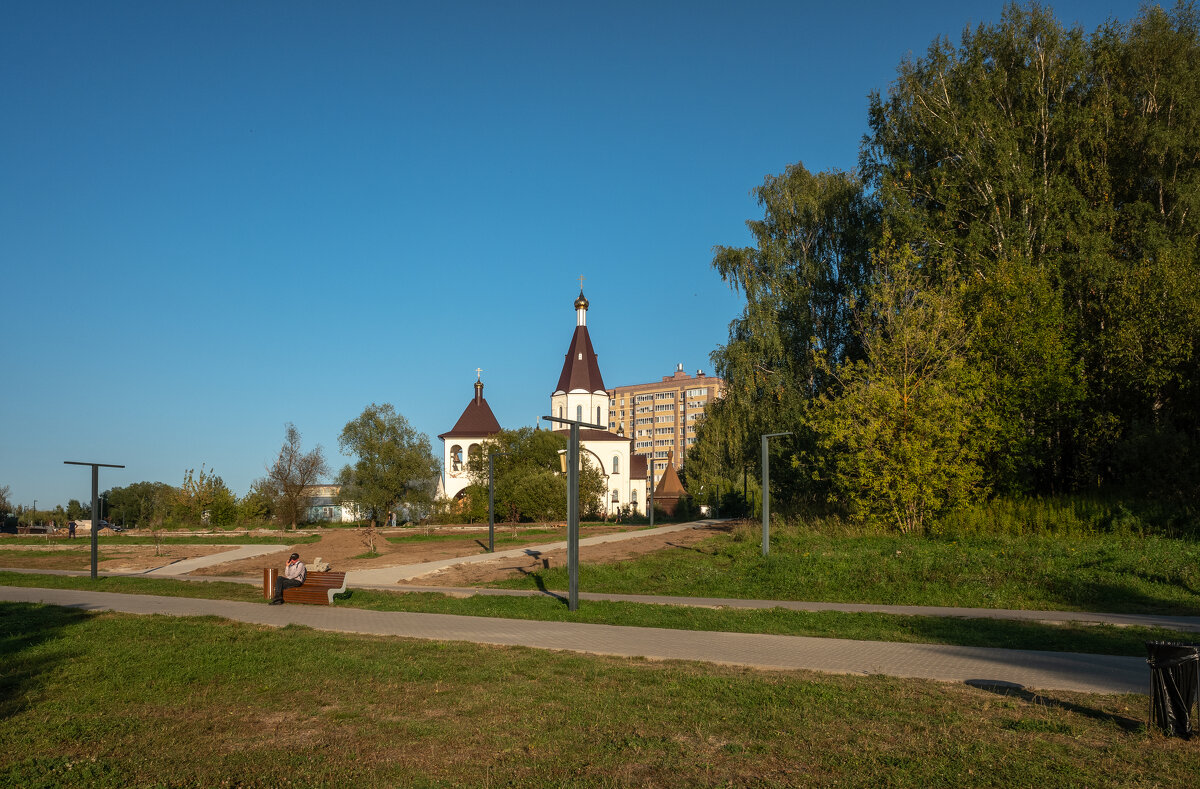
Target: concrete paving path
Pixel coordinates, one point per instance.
(384, 576)
(974, 665)
(1183, 624)
(185, 566)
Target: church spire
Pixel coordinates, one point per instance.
(581, 305)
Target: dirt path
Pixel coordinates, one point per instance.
(344, 550)
(341, 549)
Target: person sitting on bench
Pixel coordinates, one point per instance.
(293, 575)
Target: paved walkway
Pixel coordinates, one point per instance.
(185, 566)
(393, 575)
(1183, 624)
(1025, 668)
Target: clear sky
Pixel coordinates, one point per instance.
(220, 217)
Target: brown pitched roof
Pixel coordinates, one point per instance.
(637, 467)
(580, 368)
(477, 418)
(669, 487)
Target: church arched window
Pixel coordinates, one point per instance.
(598, 415)
(456, 458)
(616, 497)
(578, 413)
(474, 455)
(633, 496)
(616, 466)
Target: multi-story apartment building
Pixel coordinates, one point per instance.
(661, 417)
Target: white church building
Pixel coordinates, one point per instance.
(579, 395)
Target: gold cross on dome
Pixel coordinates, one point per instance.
(478, 373)
(581, 283)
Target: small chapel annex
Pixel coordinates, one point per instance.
(580, 395)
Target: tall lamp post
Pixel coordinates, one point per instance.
(95, 500)
(766, 492)
(573, 506)
(650, 464)
(492, 499)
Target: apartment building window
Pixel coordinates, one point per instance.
(665, 431)
(661, 455)
(664, 407)
(648, 420)
(643, 444)
(664, 395)
(664, 419)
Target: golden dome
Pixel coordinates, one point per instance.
(581, 302)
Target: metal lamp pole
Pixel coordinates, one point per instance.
(766, 492)
(573, 506)
(652, 489)
(95, 500)
(492, 499)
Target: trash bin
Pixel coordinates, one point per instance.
(1174, 685)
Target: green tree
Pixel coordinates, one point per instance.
(809, 263)
(141, 503)
(394, 466)
(1055, 176)
(257, 506)
(5, 504)
(289, 477)
(205, 498)
(529, 483)
(900, 439)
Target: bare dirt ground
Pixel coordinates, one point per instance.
(342, 547)
(76, 555)
(501, 569)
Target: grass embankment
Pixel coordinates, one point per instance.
(1008, 634)
(108, 700)
(1102, 572)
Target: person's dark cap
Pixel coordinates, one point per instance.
(294, 556)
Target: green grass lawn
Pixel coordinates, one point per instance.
(1117, 574)
(112, 700)
(1095, 639)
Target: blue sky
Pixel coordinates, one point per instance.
(220, 217)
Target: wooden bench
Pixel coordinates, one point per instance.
(317, 589)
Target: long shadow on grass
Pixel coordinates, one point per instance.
(1122, 598)
(23, 627)
(1129, 725)
(537, 579)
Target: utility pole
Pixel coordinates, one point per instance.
(95, 500)
(492, 499)
(573, 506)
(766, 492)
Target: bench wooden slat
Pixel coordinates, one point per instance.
(317, 589)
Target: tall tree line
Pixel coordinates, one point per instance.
(1003, 299)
